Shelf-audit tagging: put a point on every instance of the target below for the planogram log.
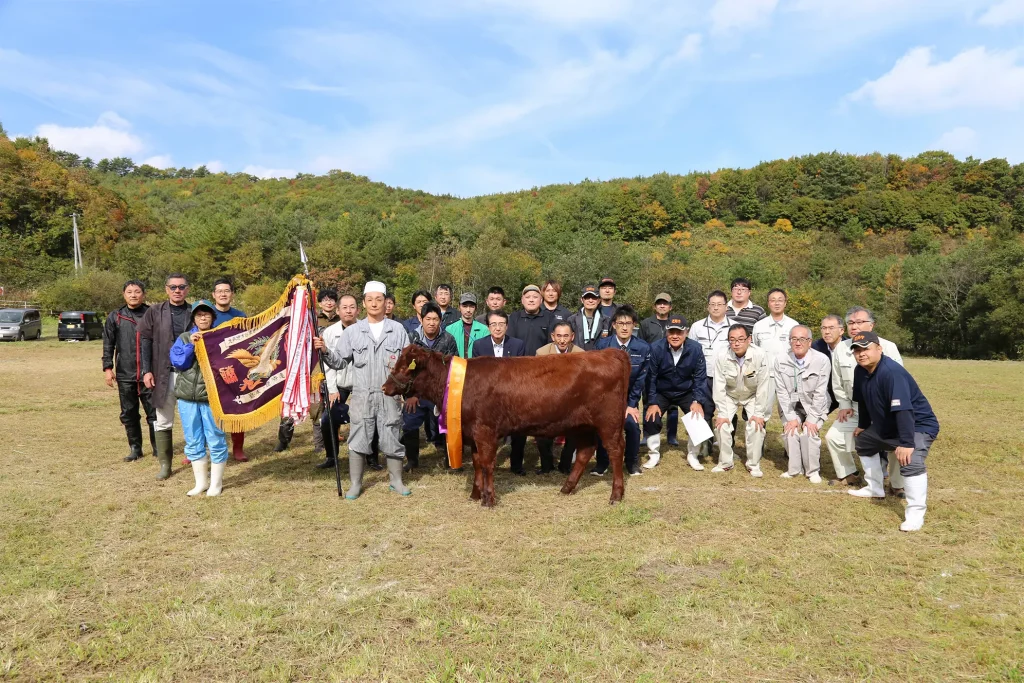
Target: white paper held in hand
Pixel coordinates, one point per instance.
(696, 428)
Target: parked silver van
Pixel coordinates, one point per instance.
(20, 324)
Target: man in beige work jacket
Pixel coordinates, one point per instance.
(801, 387)
(742, 380)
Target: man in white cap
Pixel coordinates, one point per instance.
(371, 346)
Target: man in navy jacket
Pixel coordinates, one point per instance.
(500, 345)
(893, 415)
(639, 358)
(677, 377)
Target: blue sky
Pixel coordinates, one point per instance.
(475, 96)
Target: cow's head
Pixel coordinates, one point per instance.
(413, 362)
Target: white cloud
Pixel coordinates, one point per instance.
(1002, 13)
(960, 141)
(974, 78)
(561, 11)
(727, 15)
(689, 50)
(107, 139)
(264, 172)
(213, 166)
(159, 161)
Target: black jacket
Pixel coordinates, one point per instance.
(652, 329)
(822, 345)
(558, 314)
(121, 343)
(534, 330)
(443, 344)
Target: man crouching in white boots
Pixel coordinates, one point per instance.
(894, 416)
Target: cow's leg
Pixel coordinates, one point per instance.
(487, 454)
(478, 476)
(586, 444)
(615, 443)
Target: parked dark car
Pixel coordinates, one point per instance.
(82, 325)
(20, 324)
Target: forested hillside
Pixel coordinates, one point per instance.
(932, 244)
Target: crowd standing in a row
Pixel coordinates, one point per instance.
(738, 364)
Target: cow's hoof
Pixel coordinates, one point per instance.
(475, 495)
(616, 498)
(488, 502)
(568, 490)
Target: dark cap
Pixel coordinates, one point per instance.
(677, 322)
(863, 340)
(607, 281)
(590, 290)
(467, 298)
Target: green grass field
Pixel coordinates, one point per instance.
(107, 574)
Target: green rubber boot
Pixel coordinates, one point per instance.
(164, 453)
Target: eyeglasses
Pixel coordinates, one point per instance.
(802, 340)
(738, 341)
(858, 322)
(498, 324)
(624, 323)
(742, 287)
(177, 288)
(715, 304)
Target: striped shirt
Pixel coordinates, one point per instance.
(746, 316)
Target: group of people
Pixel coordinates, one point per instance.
(740, 363)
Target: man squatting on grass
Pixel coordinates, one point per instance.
(893, 415)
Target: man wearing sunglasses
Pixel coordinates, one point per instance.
(162, 324)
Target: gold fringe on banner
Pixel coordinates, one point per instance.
(244, 423)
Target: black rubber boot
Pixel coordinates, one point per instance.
(152, 437)
(411, 441)
(134, 433)
(164, 453)
(284, 436)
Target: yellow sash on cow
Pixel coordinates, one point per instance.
(453, 415)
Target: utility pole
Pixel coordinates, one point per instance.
(78, 244)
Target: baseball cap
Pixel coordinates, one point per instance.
(864, 339)
(607, 281)
(531, 288)
(664, 296)
(467, 298)
(203, 303)
(590, 290)
(677, 322)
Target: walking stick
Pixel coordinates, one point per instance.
(330, 445)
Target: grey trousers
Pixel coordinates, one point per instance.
(869, 443)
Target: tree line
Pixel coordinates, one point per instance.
(932, 244)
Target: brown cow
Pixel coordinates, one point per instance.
(580, 395)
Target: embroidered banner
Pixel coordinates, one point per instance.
(245, 363)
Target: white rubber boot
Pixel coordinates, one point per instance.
(691, 457)
(653, 450)
(199, 472)
(917, 498)
(216, 478)
(872, 477)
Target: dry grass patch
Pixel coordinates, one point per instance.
(107, 574)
